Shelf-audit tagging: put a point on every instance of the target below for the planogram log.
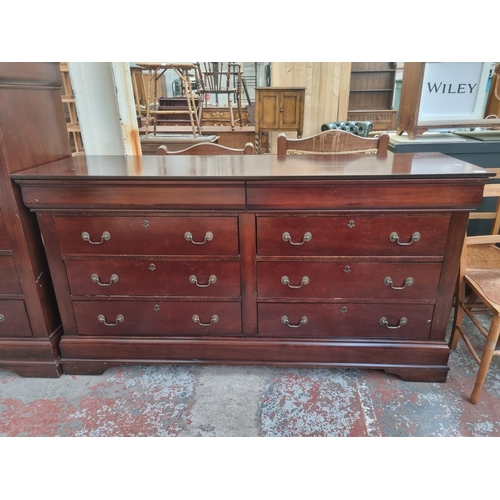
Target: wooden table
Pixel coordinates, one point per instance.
(184, 71)
(324, 261)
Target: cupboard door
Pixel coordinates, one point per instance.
(269, 110)
(289, 110)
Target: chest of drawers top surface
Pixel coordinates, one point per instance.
(255, 167)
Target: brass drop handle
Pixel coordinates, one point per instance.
(2, 318)
(285, 321)
(286, 237)
(209, 236)
(394, 237)
(402, 322)
(214, 319)
(388, 282)
(102, 319)
(211, 280)
(104, 237)
(286, 281)
(113, 279)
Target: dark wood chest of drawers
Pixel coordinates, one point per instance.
(32, 132)
(337, 261)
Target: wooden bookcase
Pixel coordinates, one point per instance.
(371, 94)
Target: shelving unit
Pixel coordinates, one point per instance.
(68, 99)
(371, 94)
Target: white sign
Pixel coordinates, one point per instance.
(453, 91)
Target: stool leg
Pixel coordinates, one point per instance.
(489, 349)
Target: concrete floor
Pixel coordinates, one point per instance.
(240, 401)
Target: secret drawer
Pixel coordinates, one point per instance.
(347, 279)
(14, 320)
(352, 235)
(148, 235)
(354, 321)
(154, 277)
(158, 318)
(4, 240)
(9, 281)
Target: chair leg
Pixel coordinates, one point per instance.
(459, 313)
(489, 349)
(231, 115)
(457, 321)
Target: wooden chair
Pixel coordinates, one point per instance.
(225, 78)
(208, 148)
(333, 141)
(480, 272)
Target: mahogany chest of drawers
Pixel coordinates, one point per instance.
(326, 261)
(32, 132)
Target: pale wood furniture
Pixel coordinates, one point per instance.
(409, 106)
(236, 138)
(219, 116)
(69, 103)
(493, 102)
(314, 260)
(221, 78)
(139, 89)
(480, 271)
(333, 141)
(327, 90)
(32, 132)
(207, 148)
(278, 109)
(174, 142)
(371, 94)
(190, 77)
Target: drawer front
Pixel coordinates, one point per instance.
(9, 281)
(4, 240)
(348, 279)
(158, 318)
(153, 277)
(14, 320)
(354, 321)
(352, 235)
(148, 235)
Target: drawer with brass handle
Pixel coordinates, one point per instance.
(13, 318)
(360, 321)
(158, 318)
(348, 279)
(147, 277)
(147, 235)
(391, 235)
